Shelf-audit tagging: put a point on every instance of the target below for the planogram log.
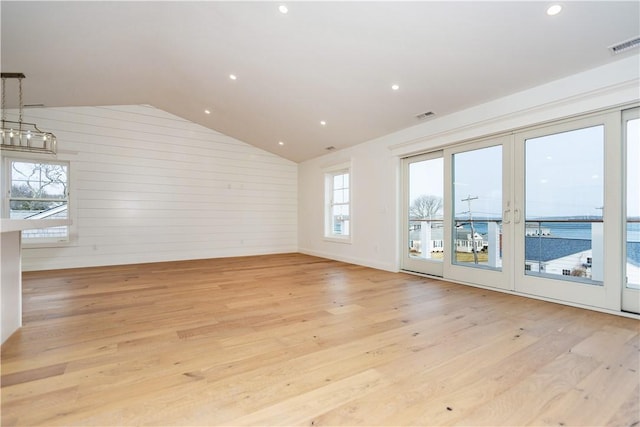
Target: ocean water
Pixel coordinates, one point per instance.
(568, 230)
(579, 230)
(582, 230)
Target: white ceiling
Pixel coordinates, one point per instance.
(332, 61)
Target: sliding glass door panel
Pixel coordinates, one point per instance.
(423, 208)
(565, 243)
(478, 235)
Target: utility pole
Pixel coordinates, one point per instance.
(473, 231)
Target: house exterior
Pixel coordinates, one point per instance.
(434, 234)
(532, 229)
(555, 255)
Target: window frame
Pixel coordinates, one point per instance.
(329, 175)
(7, 180)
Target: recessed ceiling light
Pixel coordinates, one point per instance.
(280, 143)
(395, 87)
(207, 112)
(554, 10)
(323, 123)
(283, 9)
(233, 77)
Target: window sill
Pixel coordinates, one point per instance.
(44, 244)
(346, 240)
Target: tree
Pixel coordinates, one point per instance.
(425, 206)
(44, 182)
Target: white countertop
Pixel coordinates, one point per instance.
(7, 224)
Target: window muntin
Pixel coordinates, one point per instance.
(38, 190)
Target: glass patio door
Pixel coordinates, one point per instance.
(478, 224)
(423, 233)
(568, 238)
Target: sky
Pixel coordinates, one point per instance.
(564, 174)
(478, 173)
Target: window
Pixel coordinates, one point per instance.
(38, 190)
(338, 209)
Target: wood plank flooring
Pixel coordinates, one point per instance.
(298, 340)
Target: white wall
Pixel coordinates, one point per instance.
(373, 207)
(375, 164)
(148, 186)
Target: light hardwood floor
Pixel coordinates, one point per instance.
(297, 340)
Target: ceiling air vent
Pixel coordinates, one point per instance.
(627, 44)
(423, 116)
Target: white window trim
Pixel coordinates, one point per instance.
(6, 160)
(329, 173)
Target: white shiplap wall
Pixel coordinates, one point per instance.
(148, 186)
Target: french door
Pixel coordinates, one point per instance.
(551, 211)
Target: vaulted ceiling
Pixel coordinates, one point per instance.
(334, 62)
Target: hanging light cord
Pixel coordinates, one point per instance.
(4, 102)
(20, 101)
(4, 97)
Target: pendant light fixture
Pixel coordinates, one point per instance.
(21, 136)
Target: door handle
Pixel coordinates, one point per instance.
(516, 216)
(506, 216)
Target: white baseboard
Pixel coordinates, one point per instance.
(351, 260)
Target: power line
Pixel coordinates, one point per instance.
(473, 231)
